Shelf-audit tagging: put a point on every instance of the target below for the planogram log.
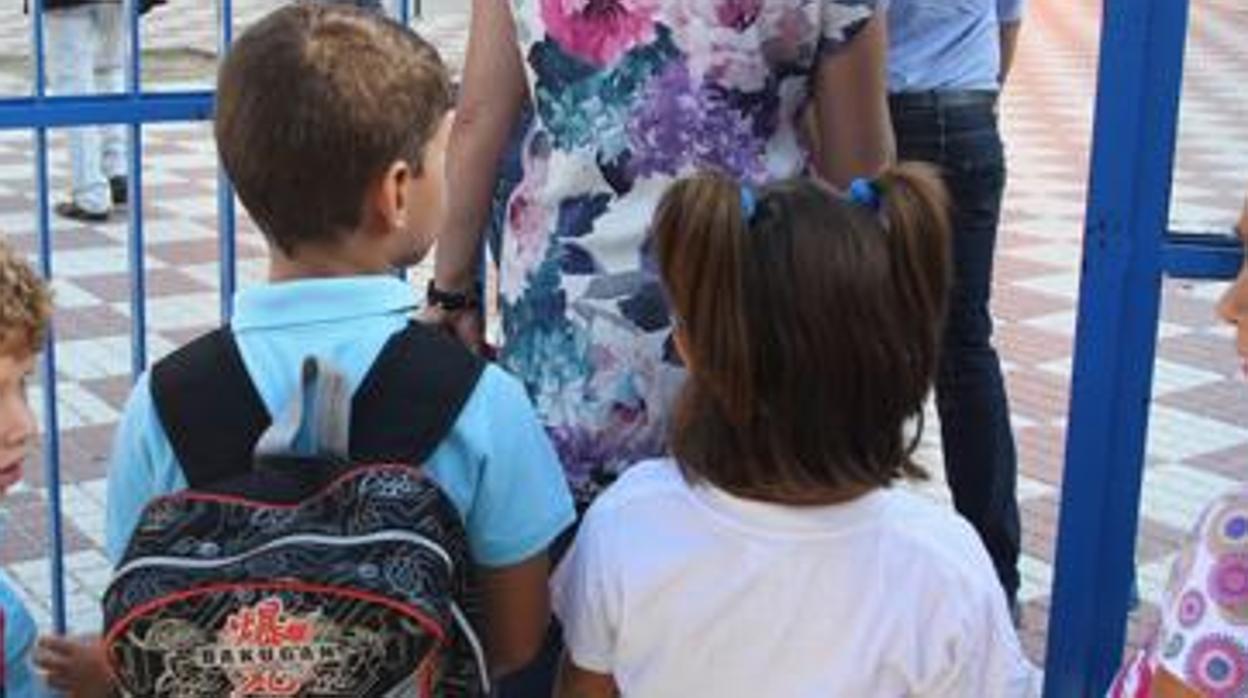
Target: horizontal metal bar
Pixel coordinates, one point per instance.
(146, 108)
(1202, 255)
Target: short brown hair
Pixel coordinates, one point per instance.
(812, 326)
(314, 102)
(25, 306)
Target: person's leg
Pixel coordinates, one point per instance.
(71, 48)
(110, 79)
(980, 457)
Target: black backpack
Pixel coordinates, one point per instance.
(295, 575)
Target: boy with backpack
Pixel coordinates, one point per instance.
(332, 124)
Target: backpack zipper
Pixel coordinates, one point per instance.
(389, 536)
(478, 651)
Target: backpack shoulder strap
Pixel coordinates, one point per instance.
(411, 397)
(209, 408)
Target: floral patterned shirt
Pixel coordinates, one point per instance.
(628, 95)
(1203, 637)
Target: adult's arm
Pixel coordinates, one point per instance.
(1010, 17)
(1009, 47)
(493, 93)
(852, 126)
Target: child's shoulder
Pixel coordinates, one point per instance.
(646, 482)
(19, 627)
(503, 391)
(498, 401)
(923, 528)
(910, 505)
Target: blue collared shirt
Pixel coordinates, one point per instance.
(947, 44)
(20, 678)
(497, 464)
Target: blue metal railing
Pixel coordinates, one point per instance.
(1128, 249)
(134, 186)
(226, 215)
(1202, 255)
(51, 434)
(133, 108)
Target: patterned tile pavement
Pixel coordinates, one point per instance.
(1199, 442)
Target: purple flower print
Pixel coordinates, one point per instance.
(680, 125)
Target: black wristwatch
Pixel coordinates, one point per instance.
(450, 301)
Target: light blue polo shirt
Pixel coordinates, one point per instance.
(20, 678)
(947, 44)
(497, 464)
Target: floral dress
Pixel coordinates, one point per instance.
(628, 95)
(1203, 637)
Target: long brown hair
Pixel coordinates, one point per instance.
(811, 324)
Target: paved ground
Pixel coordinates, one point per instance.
(1199, 443)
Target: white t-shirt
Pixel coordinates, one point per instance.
(687, 591)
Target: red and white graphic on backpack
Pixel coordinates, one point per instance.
(269, 652)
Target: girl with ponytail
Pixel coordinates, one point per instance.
(770, 555)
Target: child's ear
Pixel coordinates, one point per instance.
(390, 198)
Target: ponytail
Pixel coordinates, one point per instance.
(914, 208)
(700, 232)
(914, 211)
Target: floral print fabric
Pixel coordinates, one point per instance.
(1203, 640)
(628, 95)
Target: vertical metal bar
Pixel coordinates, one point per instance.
(405, 12)
(1128, 205)
(226, 215)
(51, 422)
(134, 182)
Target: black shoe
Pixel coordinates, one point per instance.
(120, 188)
(71, 210)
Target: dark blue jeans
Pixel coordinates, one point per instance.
(958, 132)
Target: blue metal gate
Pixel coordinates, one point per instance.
(1128, 249)
(134, 108)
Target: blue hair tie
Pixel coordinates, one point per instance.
(749, 203)
(865, 192)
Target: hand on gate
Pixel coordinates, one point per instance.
(75, 666)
